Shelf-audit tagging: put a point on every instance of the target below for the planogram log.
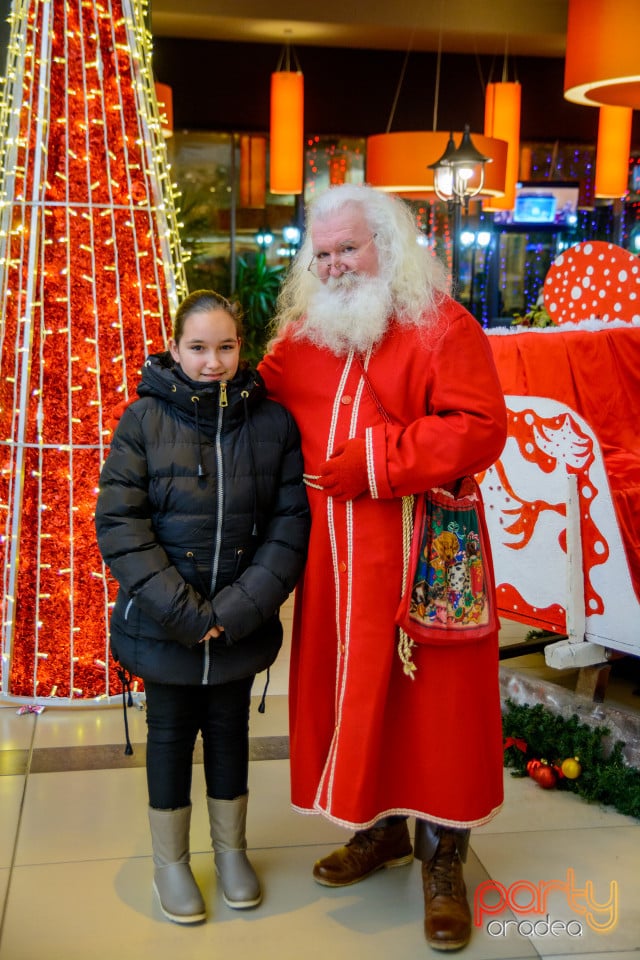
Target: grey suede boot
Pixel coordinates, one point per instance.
(173, 882)
(240, 885)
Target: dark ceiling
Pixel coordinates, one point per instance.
(224, 86)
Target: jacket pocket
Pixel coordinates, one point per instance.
(194, 575)
(239, 564)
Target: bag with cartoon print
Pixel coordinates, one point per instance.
(449, 595)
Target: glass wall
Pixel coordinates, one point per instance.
(225, 208)
(202, 168)
(236, 236)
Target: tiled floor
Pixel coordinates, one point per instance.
(75, 864)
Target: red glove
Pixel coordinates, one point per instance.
(344, 476)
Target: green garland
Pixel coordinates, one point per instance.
(540, 734)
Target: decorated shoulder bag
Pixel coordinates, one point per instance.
(449, 594)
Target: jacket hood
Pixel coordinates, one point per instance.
(163, 377)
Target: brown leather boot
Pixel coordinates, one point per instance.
(447, 917)
(366, 852)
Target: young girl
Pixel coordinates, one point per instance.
(202, 518)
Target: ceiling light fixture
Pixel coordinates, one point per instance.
(287, 126)
(612, 152)
(602, 62)
(502, 120)
(253, 172)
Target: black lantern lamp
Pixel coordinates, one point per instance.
(458, 176)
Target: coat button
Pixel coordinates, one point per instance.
(346, 399)
(342, 566)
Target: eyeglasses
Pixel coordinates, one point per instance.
(346, 256)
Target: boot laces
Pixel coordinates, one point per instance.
(444, 869)
(364, 840)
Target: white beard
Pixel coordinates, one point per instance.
(348, 312)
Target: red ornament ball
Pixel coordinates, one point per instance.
(543, 773)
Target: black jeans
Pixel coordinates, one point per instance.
(175, 715)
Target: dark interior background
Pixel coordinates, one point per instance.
(225, 87)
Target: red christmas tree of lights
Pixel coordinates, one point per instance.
(90, 271)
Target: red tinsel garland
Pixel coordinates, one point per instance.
(85, 294)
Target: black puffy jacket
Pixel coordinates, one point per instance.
(202, 518)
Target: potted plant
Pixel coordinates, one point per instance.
(257, 286)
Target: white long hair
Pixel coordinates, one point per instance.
(416, 279)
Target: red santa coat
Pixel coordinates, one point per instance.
(367, 740)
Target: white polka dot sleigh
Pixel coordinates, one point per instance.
(593, 280)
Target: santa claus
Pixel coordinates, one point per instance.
(393, 387)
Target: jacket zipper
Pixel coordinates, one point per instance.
(220, 505)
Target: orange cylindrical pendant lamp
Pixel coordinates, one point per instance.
(287, 132)
(502, 120)
(164, 98)
(253, 172)
(612, 152)
(398, 162)
(526, 160)
(602, 62)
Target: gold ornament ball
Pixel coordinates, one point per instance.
(571, 768)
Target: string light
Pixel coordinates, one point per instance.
(90, 274)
